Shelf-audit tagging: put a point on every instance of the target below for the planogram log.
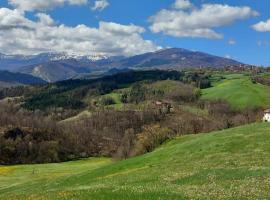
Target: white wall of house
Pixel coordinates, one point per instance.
(266, 117)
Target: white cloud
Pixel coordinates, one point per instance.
(19, 35)
(42, 5)
(45, 19)
(182, 4)
(100, 5)
(11, 18)
(262, 26)
(120, 29)
(198, 22)
(231, 42)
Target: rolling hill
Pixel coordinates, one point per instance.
(230, 164)
(239, 91)
(72, 93)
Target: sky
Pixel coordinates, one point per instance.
(234, 29)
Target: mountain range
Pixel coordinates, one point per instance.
(15, 62)
(9, 79)
(53, 67)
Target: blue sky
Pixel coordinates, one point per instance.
(131, 31)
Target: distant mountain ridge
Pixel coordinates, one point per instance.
(14, 62)
(12, 79)
(56, 70)
(60, 66)
(177, 58)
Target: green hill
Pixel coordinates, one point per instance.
(239, 91)
(230, 164)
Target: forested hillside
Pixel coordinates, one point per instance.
(13, 79)
(119, 116)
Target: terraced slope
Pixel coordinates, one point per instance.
(230, 164)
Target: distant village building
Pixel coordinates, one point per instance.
(163, 106)
(266, 117)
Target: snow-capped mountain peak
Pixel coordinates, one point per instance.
(67, 56)
(53, 56)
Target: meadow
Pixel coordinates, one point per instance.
(239, 91)
(229, 164)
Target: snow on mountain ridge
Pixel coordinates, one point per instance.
(51, 56)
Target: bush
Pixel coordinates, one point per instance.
(184, 93)
(107, 101)
(150, 138)
(124, 98)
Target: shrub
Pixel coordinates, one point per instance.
(124, 98)
(184, 93)
(151, 137)
(107, 101)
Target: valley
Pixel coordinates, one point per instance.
(141, 134)
(134, 100)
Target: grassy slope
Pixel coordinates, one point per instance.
(240, 92)
(231, 164)
(81, 115)
(117, 99)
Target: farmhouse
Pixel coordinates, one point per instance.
(266, 117)
(163, 106)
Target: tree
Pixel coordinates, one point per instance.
(106, 101)
(137, 93)
(127, 144)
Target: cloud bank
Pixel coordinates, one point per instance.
(42, 5)
(20, 35)
(185, 20)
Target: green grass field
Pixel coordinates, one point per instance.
(239, 91)
(231, 164)
(117, 99)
